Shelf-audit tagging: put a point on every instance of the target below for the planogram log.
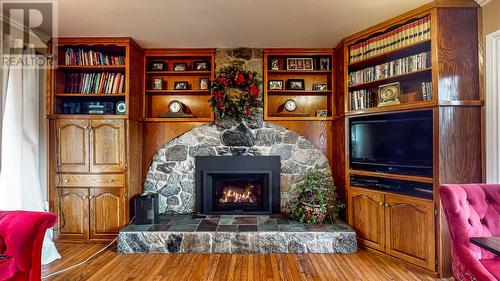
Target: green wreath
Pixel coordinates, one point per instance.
(235, 92)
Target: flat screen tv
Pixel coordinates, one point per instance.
(399, 143)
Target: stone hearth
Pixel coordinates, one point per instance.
(235, 234)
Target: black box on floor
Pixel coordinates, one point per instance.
(146, 209)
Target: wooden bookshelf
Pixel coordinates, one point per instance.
(456, 105)
(194, 99)
(308, 100)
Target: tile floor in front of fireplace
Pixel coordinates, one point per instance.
(233, 223)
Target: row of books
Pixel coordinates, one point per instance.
(427, 91)
(90, 57)
(95, 83)
(393, 68)
(363, 99)
(407, 34)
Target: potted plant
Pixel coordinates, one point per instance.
(316, 199)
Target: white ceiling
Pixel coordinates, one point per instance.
(227, 23)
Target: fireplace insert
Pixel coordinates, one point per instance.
(237, 184)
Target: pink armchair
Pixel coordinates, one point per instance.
(21, 238)
(472, 210)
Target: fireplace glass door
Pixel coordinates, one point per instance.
(232, 193)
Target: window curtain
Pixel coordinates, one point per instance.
(20, 187)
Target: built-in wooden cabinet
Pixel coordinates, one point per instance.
(366, 209)
(91, 145)
(409, 232)
(91, 180)
(107, 212)
(398, 225)
(73, 213)
(72, 146)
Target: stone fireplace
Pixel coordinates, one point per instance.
(235, 185)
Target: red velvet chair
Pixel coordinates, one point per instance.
(472, 210)
(21, 238)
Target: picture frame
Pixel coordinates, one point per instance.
(204, 83)
(295, 84)
(320, 87)
(158, 66)
(200, 66)
(324, 63)
(389, 94)
(180, 66)
(308, 64)
(322, 113)
(275, 64)
(299, 64)
(157, 83)
(276, 85)
(181, 85)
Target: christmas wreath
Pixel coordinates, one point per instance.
(235, 92)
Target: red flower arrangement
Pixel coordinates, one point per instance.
(235, 92)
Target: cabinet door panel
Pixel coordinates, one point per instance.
(73, 146)
(107, 212)
(73, 223)
(366, 215)
(107, 146)
(410, 230)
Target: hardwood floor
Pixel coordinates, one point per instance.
(110, 265)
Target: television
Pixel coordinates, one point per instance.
(399, 143)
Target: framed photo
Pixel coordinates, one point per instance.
(291, 64)
(200, 65)
(322, 113)
(308, 64)
(180, 66)
(299, 63)
(158, 66)
(275, 64)
(295, 84)
(157, 83)
(275, 84)
(181, 85)
(388, 94)
(320, 87)
(204, 83)
(324, 63)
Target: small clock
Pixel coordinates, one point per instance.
(290, 105)
(175, 106)
(389, 94)
(121, 107)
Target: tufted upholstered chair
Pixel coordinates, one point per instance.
(472, 210)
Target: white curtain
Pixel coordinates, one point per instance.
(20, 187)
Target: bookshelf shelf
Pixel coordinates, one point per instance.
(92, 67)
(90, 95)
(391, 55)
(308, 101)
(194, 99)
(374, 83)
(392, 108)
(178, 73)
(392, 176)
(297, 92)
(178, 92)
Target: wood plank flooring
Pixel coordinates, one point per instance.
(109, 265)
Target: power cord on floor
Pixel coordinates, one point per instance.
(85, 261)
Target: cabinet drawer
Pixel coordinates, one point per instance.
(77, 180)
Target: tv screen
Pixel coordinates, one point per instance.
(398, 143)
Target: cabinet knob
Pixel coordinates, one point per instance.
(91, 196)
(387, 205)
(66, 180)
(380, 203)
(110, 180)
(84, 196)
